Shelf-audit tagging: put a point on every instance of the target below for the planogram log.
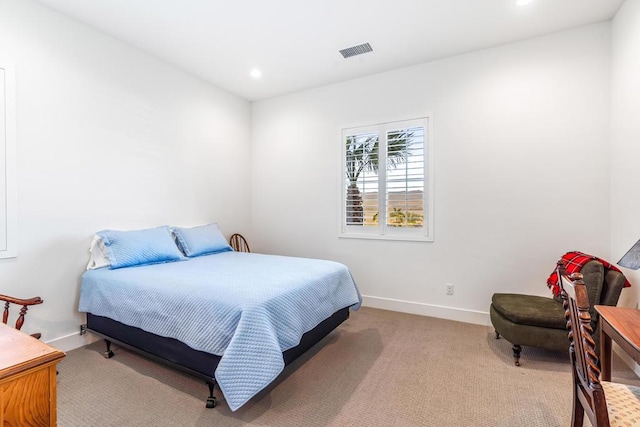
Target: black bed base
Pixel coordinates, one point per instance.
(182, 357)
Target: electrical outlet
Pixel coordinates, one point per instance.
(83, 329)
(449, 288)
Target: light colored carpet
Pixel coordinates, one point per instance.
(379, 368)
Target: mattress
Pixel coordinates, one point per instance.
(247, 308)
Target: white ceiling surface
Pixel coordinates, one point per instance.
(295, 42)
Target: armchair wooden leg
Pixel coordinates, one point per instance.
(497, 334)
(516, 354)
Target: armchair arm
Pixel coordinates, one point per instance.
(19, 301)
(30, 301)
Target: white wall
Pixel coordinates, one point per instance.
(625, 139)
(522, 171)
(108, 137)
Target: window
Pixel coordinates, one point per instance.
(8, 197)
(387, 190)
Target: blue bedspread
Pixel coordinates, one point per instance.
(246, 307)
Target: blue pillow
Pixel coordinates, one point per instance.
(201, 240)
(140, 247)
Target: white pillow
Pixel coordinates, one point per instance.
(98, 258)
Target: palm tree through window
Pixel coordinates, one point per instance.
(386, 176)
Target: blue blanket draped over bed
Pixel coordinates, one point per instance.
(246, 307)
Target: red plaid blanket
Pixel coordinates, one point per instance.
(573, 262)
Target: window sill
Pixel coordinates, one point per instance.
(385, 237)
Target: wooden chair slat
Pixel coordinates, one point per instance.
(239, 243)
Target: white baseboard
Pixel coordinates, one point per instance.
(72, 341)
(442, 312)
(75, 340)
(627, 359)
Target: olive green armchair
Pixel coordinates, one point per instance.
(539, 321)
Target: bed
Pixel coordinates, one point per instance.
(233, 319)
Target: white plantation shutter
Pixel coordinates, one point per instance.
(360, 178)
(387, 181)
(405, 177)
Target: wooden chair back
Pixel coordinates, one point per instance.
(588, 395)
(238, 243)
(25, 303)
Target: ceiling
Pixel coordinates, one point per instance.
(295, 43)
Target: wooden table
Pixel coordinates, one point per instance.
(27, 379)
(622, 326)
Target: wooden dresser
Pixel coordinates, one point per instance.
(27, 380)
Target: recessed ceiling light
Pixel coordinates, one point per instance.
(523, 2)
(255, 73)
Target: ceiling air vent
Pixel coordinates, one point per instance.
(356, 50)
